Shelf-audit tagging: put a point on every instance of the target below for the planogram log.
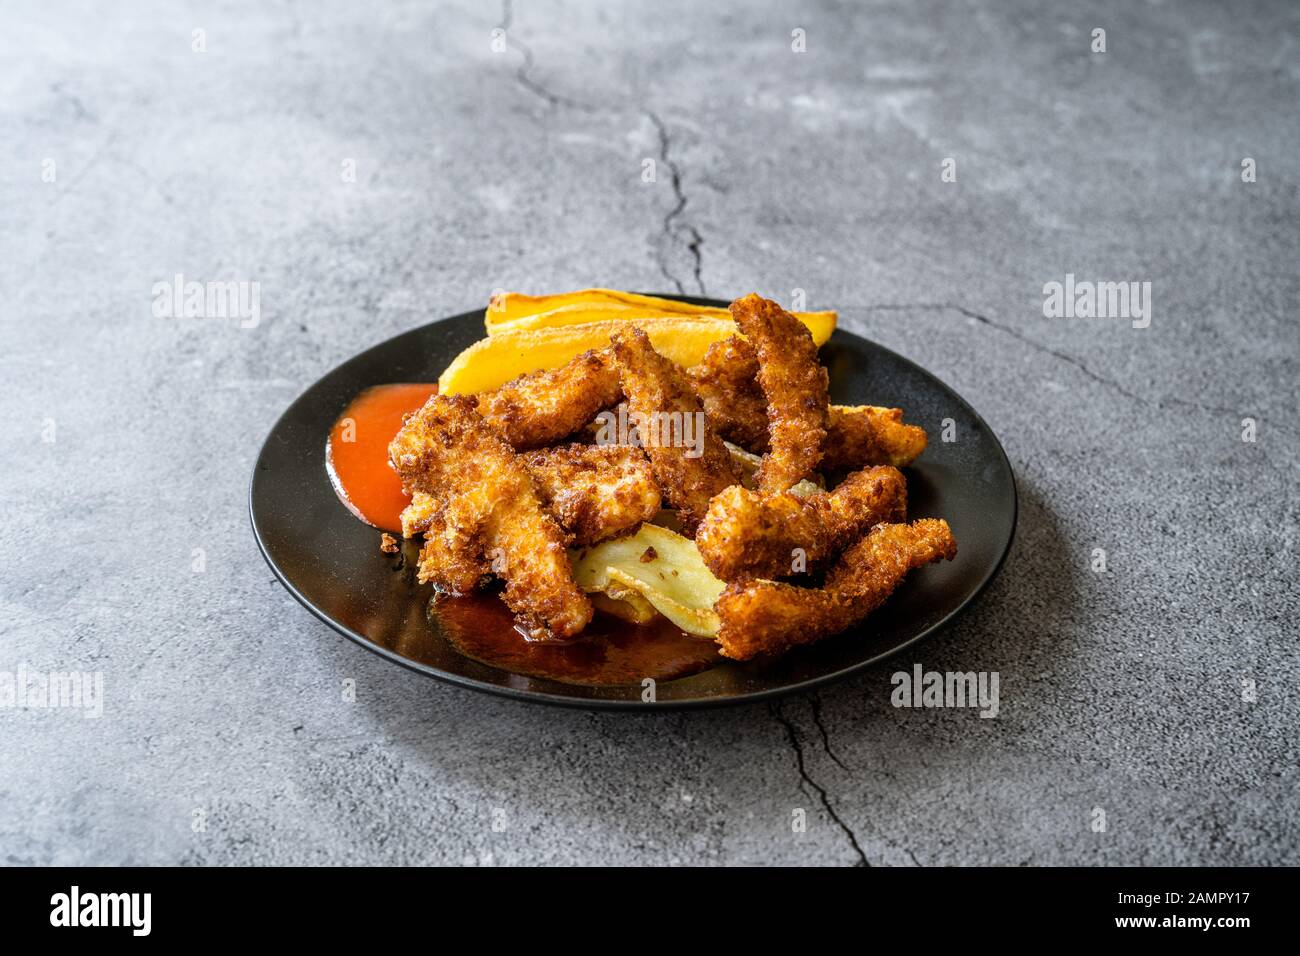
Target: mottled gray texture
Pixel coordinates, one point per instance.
(777, 170)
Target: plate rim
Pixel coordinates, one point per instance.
(585, 703)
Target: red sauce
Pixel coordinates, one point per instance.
(609, 651)
(356, 453)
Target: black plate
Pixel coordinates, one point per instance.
(331, 562)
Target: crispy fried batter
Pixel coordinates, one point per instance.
(856, 435)
(491, 508)
(769, 617)
(727, 382)
(657, 390)
(749, 535)
(867, 435)
(794, 384)
(548, 406)
(595, 491)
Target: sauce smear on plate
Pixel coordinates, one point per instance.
(609, 651)
(356, 454)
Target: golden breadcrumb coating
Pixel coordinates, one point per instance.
(750, 535)
(769, 617)
(548, 406)
(491, 508)
(862, 435)
(657, 390)
(727, 382)
(595, 491)
(794, 384)
(856, 435)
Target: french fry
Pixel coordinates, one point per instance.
(662, 567)
(490, 363)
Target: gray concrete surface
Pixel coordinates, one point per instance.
(129, 439)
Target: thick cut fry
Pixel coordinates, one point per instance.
(659, 394)
(491, 505)
(794, 385)
(768, 617)
(544, 407)
(595, 492)
(747, 535)
(856, 435)
(494, 361)
(515, 310)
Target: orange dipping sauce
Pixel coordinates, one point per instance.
(356, 454)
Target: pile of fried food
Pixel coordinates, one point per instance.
(644, 456)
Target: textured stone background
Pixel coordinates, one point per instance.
(778, 170)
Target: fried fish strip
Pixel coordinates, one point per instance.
(727, 383)
(595, 491)
(544, 407)
(856, 435)
(868, 435)
(451, 558)
(748, 535)
(660, 396)
(769, 617)
(492, 510)
(794, 384)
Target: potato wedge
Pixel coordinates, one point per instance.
(660, 565)
(508, 306)
(491, 362)
(576, 308)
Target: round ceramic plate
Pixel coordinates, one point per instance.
(331, 562)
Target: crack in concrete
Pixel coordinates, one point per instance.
(985, 320)
(816, 703)
(673, 226)
(793, 736)
(1056, 353)
(523, 75)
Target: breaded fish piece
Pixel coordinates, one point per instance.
(595, 491)
(657, 391)
(860, 435)
(856, 435)
(749, 535)
(548, 406)
(769, 617)
(451, 558)
(492, 510)
(727, 382)
(794, 384)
